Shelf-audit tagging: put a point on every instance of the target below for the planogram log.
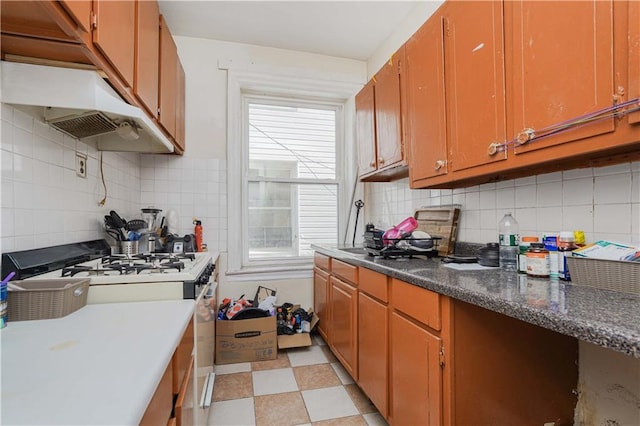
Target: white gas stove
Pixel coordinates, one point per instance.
(117, 278)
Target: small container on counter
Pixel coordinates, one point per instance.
(525, 243)
(566, 245)
(551, 244)
(538, 261)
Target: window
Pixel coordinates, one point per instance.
(290, 187)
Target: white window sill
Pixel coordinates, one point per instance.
(279, 272)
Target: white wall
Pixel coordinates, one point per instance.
(44, 203)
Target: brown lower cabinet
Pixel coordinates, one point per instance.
(426, 359)
(172, 402)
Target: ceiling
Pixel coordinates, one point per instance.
(347, 29)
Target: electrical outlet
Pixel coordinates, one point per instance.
(81, 165)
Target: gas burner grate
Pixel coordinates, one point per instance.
(71, 271)
(160, 268)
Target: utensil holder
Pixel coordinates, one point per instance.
(129, 247)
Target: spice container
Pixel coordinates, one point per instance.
(525, 243)
(538, 261)
(566, 245)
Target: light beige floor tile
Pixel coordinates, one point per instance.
(284, 409)
(240, 367)
(315, 376)
(282, 361)
(362, 401)
(306, 356)
(328, 403)
(274, 381)
(235, 412)
(345, 378)
(232, 386)
(375, 419)
(342, 421)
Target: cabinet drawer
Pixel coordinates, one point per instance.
(159, 409)
(184, 403)
(321, 261)
(182, 357)
(374, 284)
(345, 271)
(419, 303)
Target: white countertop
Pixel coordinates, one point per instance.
(98, 365)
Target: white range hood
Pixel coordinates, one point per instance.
(81, 104)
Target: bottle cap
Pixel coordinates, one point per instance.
(579, 237)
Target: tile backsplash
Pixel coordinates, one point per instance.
(603, 202)
(44, 202)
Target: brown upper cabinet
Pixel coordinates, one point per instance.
(426, 118)
(380, 123)
(120, 38)
(80, 10)
(487, 83)
(634, 56)
(168, 79)
(114, 35)
(147, 55)
(559, 71)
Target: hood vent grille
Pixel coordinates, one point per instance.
(92, 123)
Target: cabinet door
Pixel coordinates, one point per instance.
(416, 376)
(184, 410)
(426, 129)
(474, 74)
(634, 56)
(180, 109)
(388, 113)
(168, 79)
(373, 344)
(147, 55)
(366, 129)
(344, 324)
(114, 35)
(320, 301)
(80, 11)
(554, 77)
(38, 19)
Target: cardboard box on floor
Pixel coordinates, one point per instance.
(298, 340)
(246, 340)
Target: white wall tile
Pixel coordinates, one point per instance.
(549, 194)
(6, 113)
(577, 191)
(487, 199)
(7, 165)
(22, 120)
(549, 177)
(505, 197)
(526, 196)
(22, 142)
(577, 218)
(577, 173)
(612, 170)
(635, 187)
(612, 218)
(613, 188)
(7, 222)
(7, 136)
(635, 224)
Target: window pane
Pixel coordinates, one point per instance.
(304, 137)
(285, 219)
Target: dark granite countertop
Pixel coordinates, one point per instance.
(605, 318)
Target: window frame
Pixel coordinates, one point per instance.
(310, 91)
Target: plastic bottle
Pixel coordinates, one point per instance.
(566, 245)
(525, 243)
(579, 238)
(198, 233)
(509, 239)
(551, 243)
